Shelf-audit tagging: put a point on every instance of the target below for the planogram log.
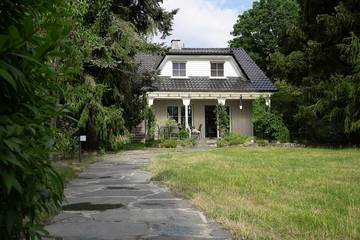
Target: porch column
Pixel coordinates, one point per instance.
(150, 101)
(186, 102)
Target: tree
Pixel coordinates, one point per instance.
(262, 30)
(107, 96)
(325, 67)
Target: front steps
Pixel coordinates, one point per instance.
(207, 142)
(138, 133)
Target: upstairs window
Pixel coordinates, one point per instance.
(179, 69)
(217, 69)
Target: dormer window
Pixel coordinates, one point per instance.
(217, 69)
(179, 69)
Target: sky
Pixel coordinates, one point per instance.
(204, 23)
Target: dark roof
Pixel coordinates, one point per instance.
(256, 80)
(203, 84)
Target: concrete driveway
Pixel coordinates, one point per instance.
(115, 199)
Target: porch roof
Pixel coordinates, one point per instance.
(203, 84)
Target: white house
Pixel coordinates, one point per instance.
(193, 81)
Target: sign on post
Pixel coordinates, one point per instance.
(82, 139)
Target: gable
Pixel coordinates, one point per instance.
(200, 66)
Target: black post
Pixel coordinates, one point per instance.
(79, 149)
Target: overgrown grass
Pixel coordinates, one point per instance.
(70, 168)
(271, 193)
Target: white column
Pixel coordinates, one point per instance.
(150, 101)
(221, 101)
(186, 102)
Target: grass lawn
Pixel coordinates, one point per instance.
(271, 193)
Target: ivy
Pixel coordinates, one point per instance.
(222, 120)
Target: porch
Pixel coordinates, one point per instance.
(197, 111)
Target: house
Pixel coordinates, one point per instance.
(193, 81)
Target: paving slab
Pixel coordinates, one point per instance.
(116, 199)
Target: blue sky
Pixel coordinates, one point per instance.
(204, 23)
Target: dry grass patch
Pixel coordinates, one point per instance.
(271, 193)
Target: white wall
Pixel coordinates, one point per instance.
(200, 66)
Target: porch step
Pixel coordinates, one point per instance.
(138, 133)
(207, 143)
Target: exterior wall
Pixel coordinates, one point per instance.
(240, 121)
(199, 66)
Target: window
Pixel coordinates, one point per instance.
(189, 116)
(172, 113)
(179, 69)
(217, 69)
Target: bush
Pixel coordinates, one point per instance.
(118, 142)
(188, 142)
(169, 143)
(170, 125)
(268, 125)
(232, 139)
(184, 134)
(262, 142)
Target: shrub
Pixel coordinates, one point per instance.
(183, 134)
(268, 125)
(118, 142)
(232, 139)
(170, 125)
(262, 142)
(169, 143)
(188, 142)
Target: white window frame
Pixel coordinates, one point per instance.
(179, 70)
(217, 70)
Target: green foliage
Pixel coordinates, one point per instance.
(183, 134)
(325, 68)
(187, 142)
(119, 142)
(150, 123)
(262, 30)
(30, 35)
(222, 120)
(169, 143)
(262, 142)
(107, 96)
(231, 139)
(171, 124)
(314, 58)
(268, 125)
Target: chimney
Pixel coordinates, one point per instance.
(176, 44)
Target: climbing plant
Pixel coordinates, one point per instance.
(150, 123)
(222, 120)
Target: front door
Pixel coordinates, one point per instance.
(210, 122)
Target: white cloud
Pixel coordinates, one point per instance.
(201, 23)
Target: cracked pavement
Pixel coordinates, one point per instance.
(115, 199)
